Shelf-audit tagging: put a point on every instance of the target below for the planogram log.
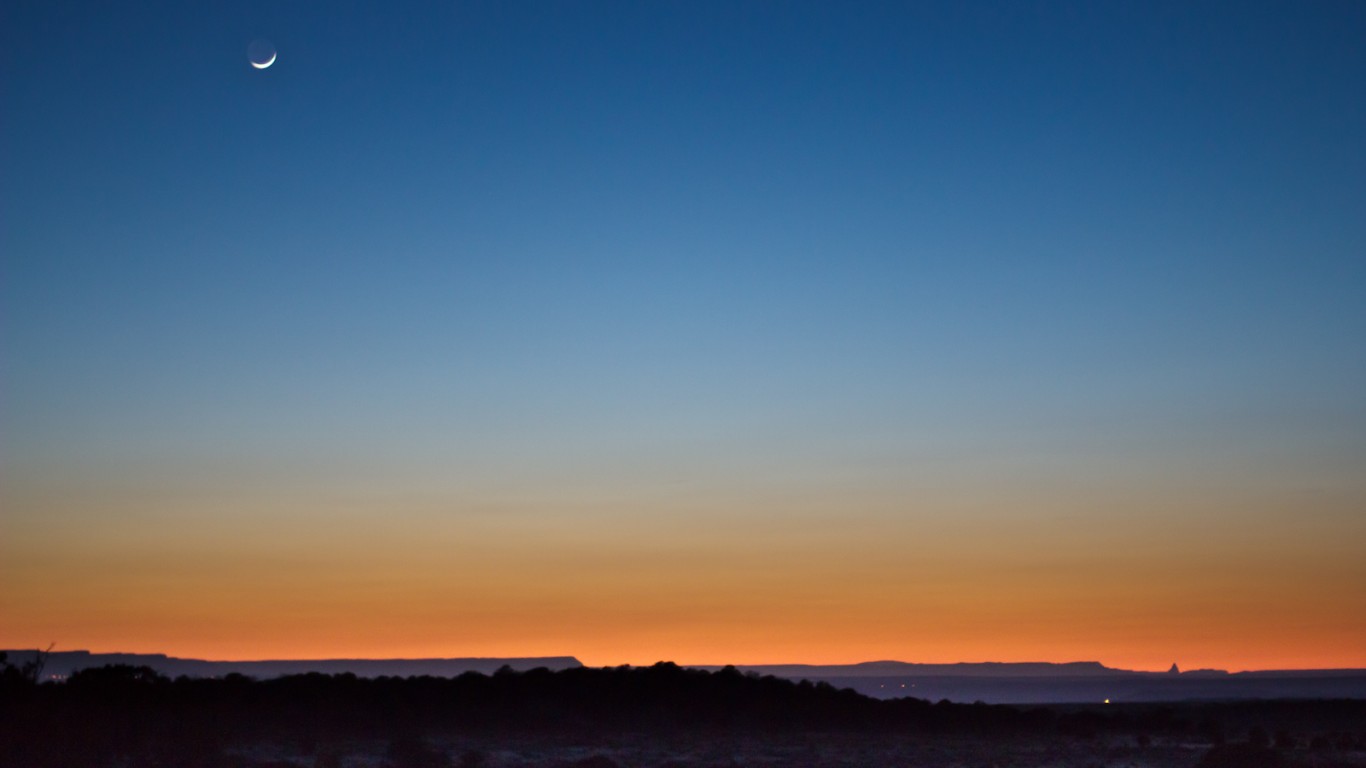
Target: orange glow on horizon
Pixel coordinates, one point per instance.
(217, 651)
(790, 581)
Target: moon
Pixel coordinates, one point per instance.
(261, 53)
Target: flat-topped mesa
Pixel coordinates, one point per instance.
(993, 669)
(62, 663)
(960, 669)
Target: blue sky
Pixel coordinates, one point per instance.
(509, 251)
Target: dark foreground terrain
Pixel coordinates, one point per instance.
(128, 717)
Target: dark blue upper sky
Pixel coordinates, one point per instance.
(688, 209)
(620, 244)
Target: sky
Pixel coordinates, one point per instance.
(715, 332)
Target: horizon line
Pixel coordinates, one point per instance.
(575, 657)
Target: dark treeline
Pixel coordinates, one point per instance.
(132, 715)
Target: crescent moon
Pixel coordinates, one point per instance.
(265, 63)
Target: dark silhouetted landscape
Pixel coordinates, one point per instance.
(664, 715)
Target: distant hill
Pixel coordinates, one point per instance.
(962, 669)
(63, 663)
(1075, 682)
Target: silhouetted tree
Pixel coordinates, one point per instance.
(26, 674)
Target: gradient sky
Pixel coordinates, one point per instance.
(714, 332)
